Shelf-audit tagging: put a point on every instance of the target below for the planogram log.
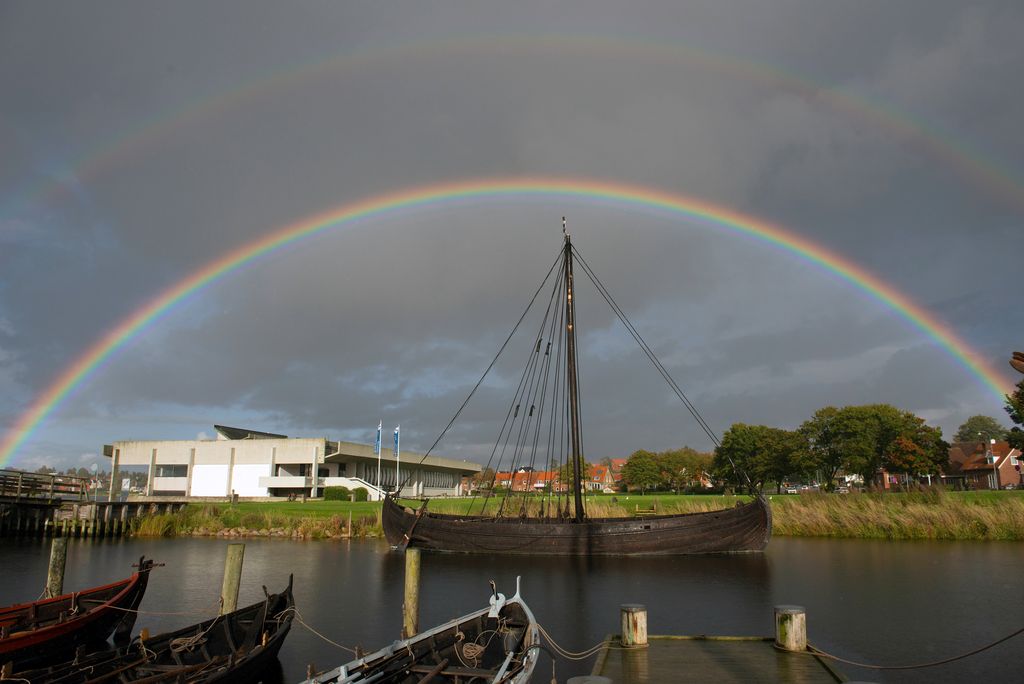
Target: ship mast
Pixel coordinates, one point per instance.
(573, 379)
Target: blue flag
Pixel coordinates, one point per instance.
(376, 446)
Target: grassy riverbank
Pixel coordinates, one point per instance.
(931, 514)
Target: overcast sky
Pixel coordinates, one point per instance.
(141, 140)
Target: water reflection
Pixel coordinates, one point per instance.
(879, 601)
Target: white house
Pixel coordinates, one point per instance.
(249, 463)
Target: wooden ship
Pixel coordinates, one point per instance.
(563, 527)
(237, 647)
(44, 630)
(499, 643)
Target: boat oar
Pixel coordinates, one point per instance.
(433, 673)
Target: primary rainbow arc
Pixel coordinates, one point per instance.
(628, 196)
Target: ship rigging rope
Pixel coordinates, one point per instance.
(486, 371)
(812, 650)
(656, 361)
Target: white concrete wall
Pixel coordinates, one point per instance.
(209, 480)
(245, 479)
(170, 484)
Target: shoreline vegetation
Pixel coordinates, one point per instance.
(927, 514)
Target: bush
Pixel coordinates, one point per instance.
(337, 493)
(361, 494)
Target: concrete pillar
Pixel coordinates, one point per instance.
(191, 467)
(231, 473)
(115, 475)
(149, 476)
(791, 628)
(316, 471)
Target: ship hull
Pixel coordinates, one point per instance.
(747, 527)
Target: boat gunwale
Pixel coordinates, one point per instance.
(531, 636)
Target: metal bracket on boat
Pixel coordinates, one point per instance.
(497, 602)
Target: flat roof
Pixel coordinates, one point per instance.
(350, 450)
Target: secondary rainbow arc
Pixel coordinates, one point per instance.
(629, 196)
(126, 145)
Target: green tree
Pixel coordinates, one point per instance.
(764, 454)
(980, 429)
(642, 471)
(683, 468)
(862, 439)
(1015, 408)
(825, 436)
(483, 480)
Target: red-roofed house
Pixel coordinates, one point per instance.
(994, 465)
(529, 480)
(600, 479)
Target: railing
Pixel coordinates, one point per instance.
(19, 484)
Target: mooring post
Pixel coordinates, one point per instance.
(411, 607)
(58, 561)
(634, 625)
(791, 628)
(232, 578)
(350, 524)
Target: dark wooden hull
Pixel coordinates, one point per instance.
(473, 648)
(50, 629)
(747, 527)
(239, 647)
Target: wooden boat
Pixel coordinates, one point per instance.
(496, 644)
(47, 629)
(746, 527)
(240, 646)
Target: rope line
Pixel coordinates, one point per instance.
(482, 377)
(297, 617)
(578, 655)
(217, 603)
(812, 650)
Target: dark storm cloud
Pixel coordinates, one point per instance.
(399, 315)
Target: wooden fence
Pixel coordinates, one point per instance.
(18, 484)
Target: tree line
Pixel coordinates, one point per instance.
(857, 440)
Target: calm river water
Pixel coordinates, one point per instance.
(880, 602)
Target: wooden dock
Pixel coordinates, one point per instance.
(43, 505)
(710, 659)
(635, 658)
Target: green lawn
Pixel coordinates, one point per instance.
(917, 515)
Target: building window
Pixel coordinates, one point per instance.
(323, 472)
(172, 471)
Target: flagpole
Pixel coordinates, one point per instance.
(398, 458)
(376, 447)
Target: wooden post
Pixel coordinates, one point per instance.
(791, 628)
(58, 561)
(232, 578)
(411, 607)
(350, 524)
(634, 625)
